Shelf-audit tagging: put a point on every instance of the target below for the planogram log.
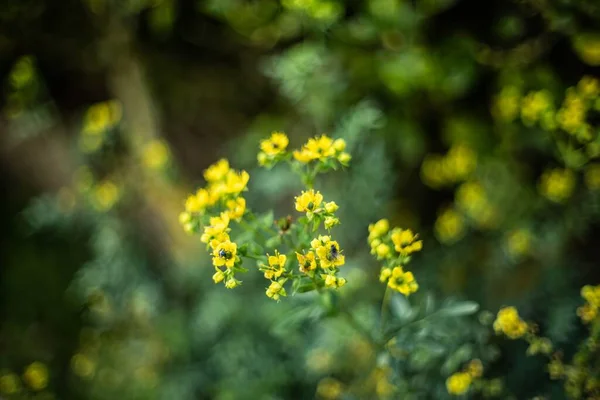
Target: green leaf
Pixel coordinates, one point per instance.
(460, 309)
(303, 285)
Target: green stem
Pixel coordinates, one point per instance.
(384, 309)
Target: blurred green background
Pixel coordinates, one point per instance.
(473, 123)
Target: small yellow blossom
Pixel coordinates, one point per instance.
(458, 383)
(571, 115)
(304, 156)
(106, 194)
(518, 242)
(533, 105)
(276, 265)
(339, 145)
(232, 283)
(36, 376)
(330, 222)
(383, 251)
(460, 162)
(275, 290)
(378, 229)
(82, 365)
(506, 104)
(557, 184)
(224, 254)
(449, 226)
(591, 294)
(588, 86)
(556, 368)
(403, 282)
(320, 147)
(433, 171)
(329, 253)
(344, 158)
(155, 154)
(329, 389)
(385, 274)
(218, 276)
(405, 241)
(509, 323)
(101, 116)
(275, 145)
(587, 313)
(309, 202)
(475, 368)
(217, 171)
(9, 384)
(235, 182)
(331, 281)
(307, 261)
(236, 208)
(331, 207)
(219, 225)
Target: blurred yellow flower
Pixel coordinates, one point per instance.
(82, 365)
(330, 222)
(217, 171)
(217, 230)
(509, 323)
(307, 262)
(588, 86)
(331, 207)
(218, 276)
(36, 375)
(10, 384)
(460, 162)
(275, 145)
(533, 105)
(506, 104)
(235, 182)
(155, 154)
(449, 226)
(475, 368)
(587, 313)
(106, 194)
(518, 242)
(557, 184)
(236, 208)
(329, 389)
(102, 116)
(458, 383)
(378, 229)
(275, 291)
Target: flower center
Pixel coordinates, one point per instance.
(224, 254)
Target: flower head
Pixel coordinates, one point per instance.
(378, 229)
(309, 202)
(218, 228)
(403, 282)
(276, 265)
(458, 383)
(509, 323)
(274, 145)
(224, 254)
(320, 147)
(332, 281)
(307, 262)
(235, 182)
(331, 207)
(405, 241)
(217, 171)
(329, 252)
(36, 375)
(236, 208)
(275, 290)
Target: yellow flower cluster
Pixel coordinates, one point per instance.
(273, 149)
(223, 189)
(394, 247)
(518, 242)
(329, 257)
(98, 120)
(456, 166)
(273, 270)
(459, 382)
(536, 106)
(557, 184)
(509, 323)
(590, 310)
(311, 203)
(324, 149)
(506, 104)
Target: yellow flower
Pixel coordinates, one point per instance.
(276, 265)
(275, 145)
(217, 171)
(449, 226)
(589, 86)
(155, 154)
(232, 283)
(236, 208)
(403, 282)
(591, 294)
(275, 290)
(331, 281)
(329, 253)
(331, 207)
(405, 241)
(235, 182)
(304, 156)
(475, 368)
(339, 145)
(460, 162)
(36, 376)
(309, 202)
(587, 313)
(458, 383)
(383, 251)
(433, 171)
(101, 116)
(533, 105)
(378, 229)
(385, 274)
(556, 369)
(330, 222)
(218, 226)
(344, 158)
(320, 241)
(571, 115)
(224, 254)
(509, 323)
(506, 104)
(320, 147)
(557, 184)
(218, 276)
(106, 194)
(518, 242)
(329, 389)
(9, 384)
(82, 365)
(262, 159)
(307, 261)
